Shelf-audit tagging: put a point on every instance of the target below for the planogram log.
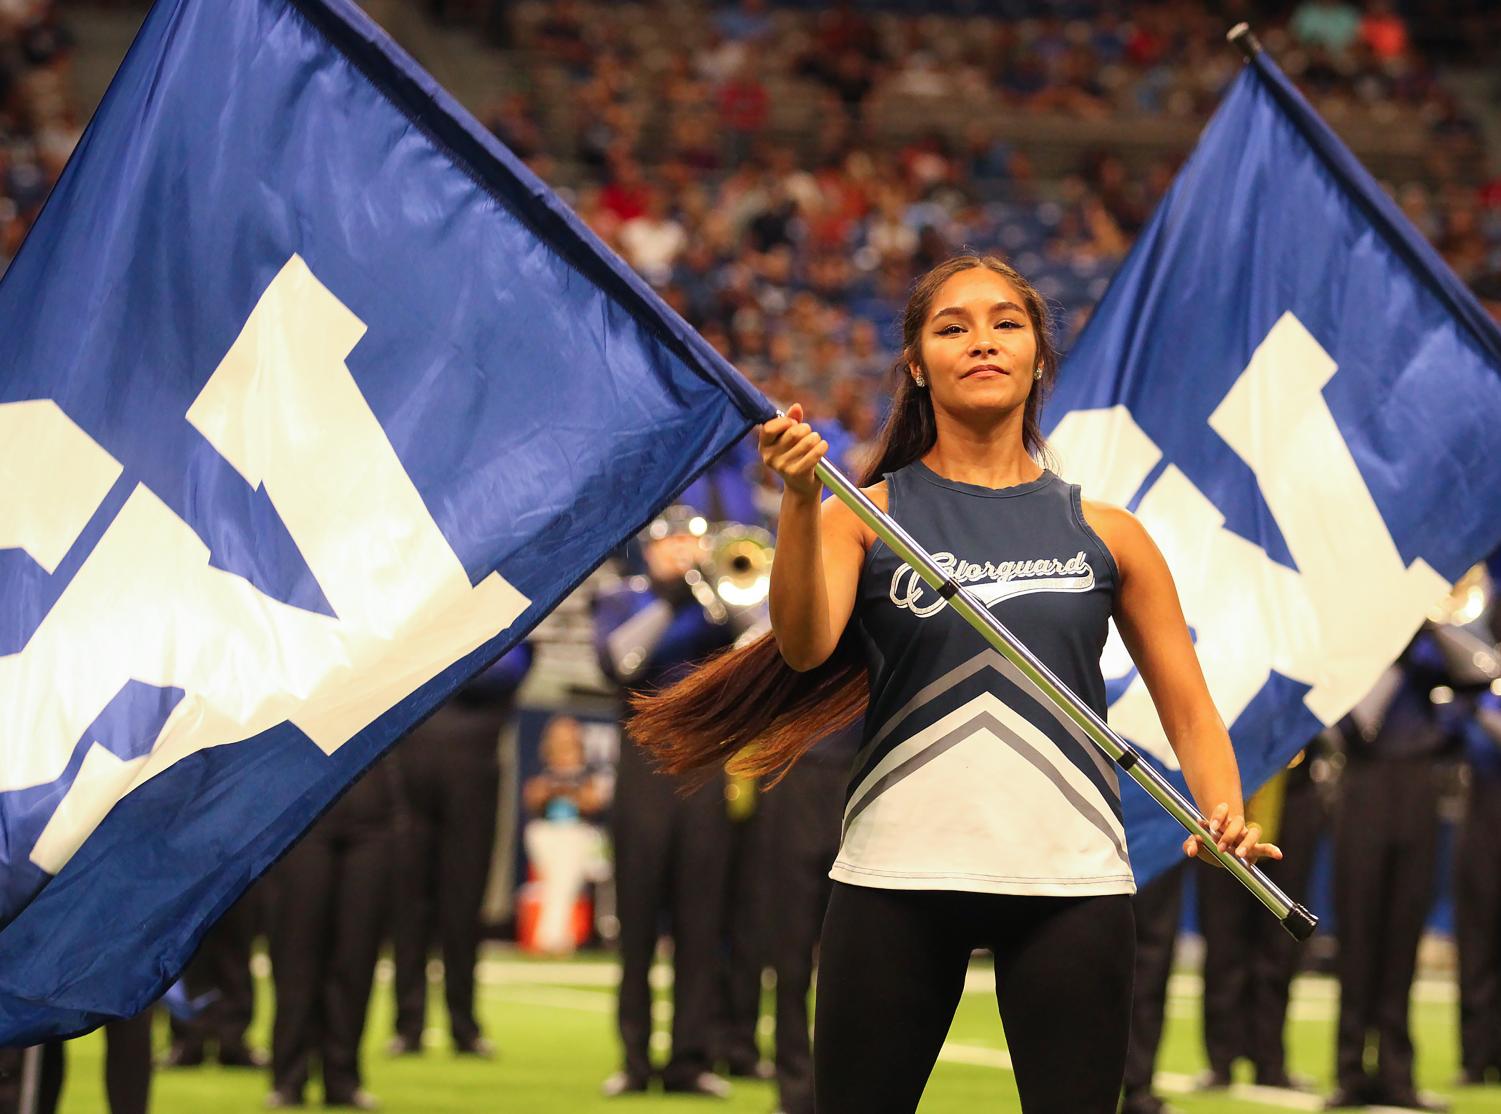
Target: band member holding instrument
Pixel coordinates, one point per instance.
(974, 818)
(671, 848)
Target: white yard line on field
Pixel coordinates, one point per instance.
(976, 1055)
(1173, 1083)
(954, 1052)
(588, 986)
(557, 997)
(1307, 990)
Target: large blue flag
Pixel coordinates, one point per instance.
(313, 401)
(1302, 403)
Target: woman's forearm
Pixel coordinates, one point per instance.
(799, 594)
(1209, 767)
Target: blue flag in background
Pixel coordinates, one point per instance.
(314, 401)
(1302, 404)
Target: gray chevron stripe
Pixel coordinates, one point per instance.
(923, 695)
(1019, 679)
(962, 673)
(1087, 809)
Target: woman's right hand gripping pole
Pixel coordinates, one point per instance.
(819, 549)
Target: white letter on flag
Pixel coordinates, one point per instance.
(1338, 620)
(284, 410)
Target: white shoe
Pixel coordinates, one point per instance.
(704, 1083)
(621, 1083)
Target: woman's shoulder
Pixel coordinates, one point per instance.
(1120, 530)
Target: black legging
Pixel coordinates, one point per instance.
(891, 970)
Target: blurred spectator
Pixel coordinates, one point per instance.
(1332, 24)
(1384, 31)
(510, 121)
(625, 194)
(1488, 290)
(653, 240)
(746, 21)
(560, 35)
(744, 106)
(779, 172)
(38, 124)
(564, 845)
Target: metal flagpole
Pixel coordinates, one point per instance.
(31, 1079)
(1073, 714)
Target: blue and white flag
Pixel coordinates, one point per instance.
(313, 401)
(1302, 403)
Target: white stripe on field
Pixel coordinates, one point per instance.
(1164, 1081)
(590, 1001)
(1321, 988)
(1314, 998)
(1174, 1083)
(974, 1055)
(1276, 1096)
(501, 972)
(1307, 990)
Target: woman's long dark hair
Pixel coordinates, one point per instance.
(745, 708)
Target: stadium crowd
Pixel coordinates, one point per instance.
(780, 174)
(39, 123)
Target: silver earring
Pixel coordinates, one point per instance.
(1037, 374)
(919, 380)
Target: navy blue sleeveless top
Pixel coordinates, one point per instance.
(963, 780)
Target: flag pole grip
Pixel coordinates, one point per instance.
(1298, 921)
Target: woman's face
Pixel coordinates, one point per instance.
(978, 344)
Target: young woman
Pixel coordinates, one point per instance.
(973, 819)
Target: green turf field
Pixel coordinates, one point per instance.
(553, 1023)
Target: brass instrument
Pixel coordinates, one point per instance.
(740, 564)
(735, 576)
(1471, 659)
(1465, 602)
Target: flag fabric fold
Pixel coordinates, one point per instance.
(315, 401)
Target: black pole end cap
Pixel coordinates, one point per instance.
(1243, 37)
(1300, 923)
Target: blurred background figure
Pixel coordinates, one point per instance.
(564, 843)
(749, 892)
(330, 897)
(671, 848)
(448, 772)
(803, 814)
(127, 1070)
(1249, 960)
(1386, 831)
(219, 977)
(1477, 899)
